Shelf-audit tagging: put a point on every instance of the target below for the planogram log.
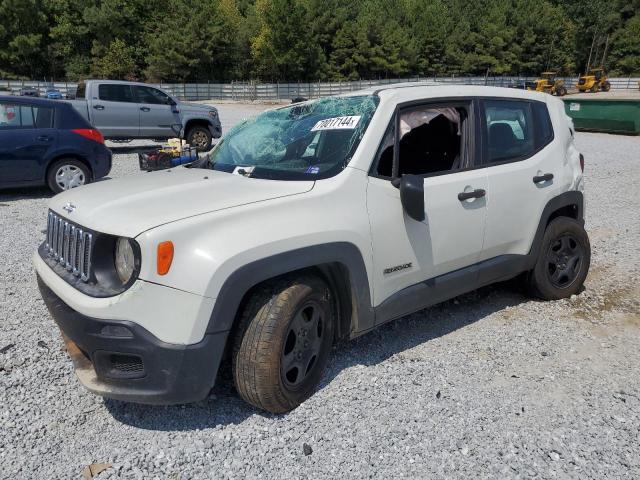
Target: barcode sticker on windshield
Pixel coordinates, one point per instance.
(337, 123)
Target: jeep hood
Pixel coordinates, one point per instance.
(131, 205)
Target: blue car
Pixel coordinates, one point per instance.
(53, 94)
(45, 142)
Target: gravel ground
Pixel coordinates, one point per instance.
(489, 385)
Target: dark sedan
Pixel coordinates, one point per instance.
(29, 92)
(44, 142)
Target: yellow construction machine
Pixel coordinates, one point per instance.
(594, 81)
(548, 83)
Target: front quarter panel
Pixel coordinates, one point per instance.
(210, 248)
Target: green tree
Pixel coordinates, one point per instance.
(625, 50)
(23, 38)
(284, 48)
(116, 63)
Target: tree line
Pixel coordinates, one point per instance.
(310, 40)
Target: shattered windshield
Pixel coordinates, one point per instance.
(309, 140)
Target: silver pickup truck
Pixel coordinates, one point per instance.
(130, 110)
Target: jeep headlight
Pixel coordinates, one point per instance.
(125, 260)
(213, 113)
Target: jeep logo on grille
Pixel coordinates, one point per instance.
(69, 207)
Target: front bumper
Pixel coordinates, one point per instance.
(120, 359)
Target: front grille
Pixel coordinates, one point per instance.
(69, 245)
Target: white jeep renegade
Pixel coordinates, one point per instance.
(311, 223)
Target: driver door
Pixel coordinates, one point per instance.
(450, 238)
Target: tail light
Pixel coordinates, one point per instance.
(90, 134)
(582, 163)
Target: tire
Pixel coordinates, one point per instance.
(286, 327)
(563, 260)
(200, 137)
(562, 91)
(594, 88)
(606, 87)
(67, 173)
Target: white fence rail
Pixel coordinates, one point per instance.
(248, 91)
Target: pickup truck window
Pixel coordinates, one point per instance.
(115, 92)
(152, 96)
(305, 141)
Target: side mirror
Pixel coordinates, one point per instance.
(411, 195)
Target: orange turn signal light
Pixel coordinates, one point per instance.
(165, 257)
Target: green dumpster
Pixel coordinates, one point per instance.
(609, 116)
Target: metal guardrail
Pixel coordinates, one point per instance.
(249, 91)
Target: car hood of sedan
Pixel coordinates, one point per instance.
(131, 205)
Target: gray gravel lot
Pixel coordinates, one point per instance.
(489, 385)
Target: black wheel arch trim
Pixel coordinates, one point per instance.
(572, 199)
(322, 257)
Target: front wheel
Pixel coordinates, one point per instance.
(563, 260)
(66, 174)
(606, 87)
(283, 343)
(200, 138)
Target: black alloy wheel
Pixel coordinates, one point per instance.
(303, 344)
(564, 259)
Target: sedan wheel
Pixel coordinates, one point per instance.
(69, 176)
(67, 173)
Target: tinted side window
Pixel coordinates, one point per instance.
(25, 116)
(152, 96)
(43, 117)
(543, 127)
(113, 92)
(510, 130)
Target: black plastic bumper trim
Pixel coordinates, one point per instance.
(173, 374)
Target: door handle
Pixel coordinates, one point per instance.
(543, 178)
(44, 138)
(145, 109)
(477, 193)
(99, 107)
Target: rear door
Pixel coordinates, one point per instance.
(27, 137)
(114, 110)
(158, 115)
(524, 166)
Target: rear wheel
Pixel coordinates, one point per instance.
(283, 343)
(67, 173)
(563, 261)
(200, 138)
(594, 88)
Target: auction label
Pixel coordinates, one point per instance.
(337, 123)
(574, 107)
